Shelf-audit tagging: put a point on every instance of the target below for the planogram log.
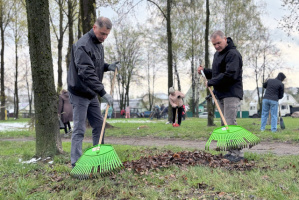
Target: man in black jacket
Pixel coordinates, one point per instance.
(274, 92)
(84, 81)
(226, 78)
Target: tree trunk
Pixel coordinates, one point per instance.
(88, 14)
(210, 106)
(177, 73)
(60, 45)
(48, 141)
(70, 16)
(2, 95)
(16, 95)
(169, 58)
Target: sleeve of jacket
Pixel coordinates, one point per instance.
(87, 71)
(181, 94)
(281, 92)
(232, 71)
(265, 84)
(208, 73)
(106, 65)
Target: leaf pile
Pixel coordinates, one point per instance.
(185, 158)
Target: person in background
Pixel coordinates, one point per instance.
(128, 112)
(184, 112)
(122, 113)
(65, 111)
(110, 111)
(176, 102)
(84, 79)
(226, 79)
(274, 92)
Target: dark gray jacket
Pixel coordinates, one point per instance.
(87, 67)
(226, 72)
(274, 88)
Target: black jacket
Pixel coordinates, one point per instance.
(226, 73)
(274, 88)
(87, 67)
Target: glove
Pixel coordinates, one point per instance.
(113, 66)
(108, 99)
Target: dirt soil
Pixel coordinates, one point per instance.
(277, 148)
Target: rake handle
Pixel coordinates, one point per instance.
(215, 100)
(106, 112)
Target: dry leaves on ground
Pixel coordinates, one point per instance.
(186, 158)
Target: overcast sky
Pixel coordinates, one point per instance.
(289, 46)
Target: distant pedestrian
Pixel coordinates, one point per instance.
(128, 112)
(122, 113)
(274, 92)
(110, 111)
(175, 99)
(184, 112)
(65, 111)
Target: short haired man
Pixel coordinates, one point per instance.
(84, 80)
(226, 78)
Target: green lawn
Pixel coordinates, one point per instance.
(274, 177)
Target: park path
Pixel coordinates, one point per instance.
(277, 148)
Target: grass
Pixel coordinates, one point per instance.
(275, 177)
(191, 129)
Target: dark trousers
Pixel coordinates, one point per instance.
(67, 125)
(85, 108)
(180, 110)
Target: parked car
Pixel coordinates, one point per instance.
(203, 115)
(147, 113)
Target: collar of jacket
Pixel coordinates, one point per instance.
(230, 45)
(93, 37)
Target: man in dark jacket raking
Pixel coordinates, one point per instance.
(274, 92)
(226, 78)
(84, 80)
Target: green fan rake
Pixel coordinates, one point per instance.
(100, 159)
(230, 136)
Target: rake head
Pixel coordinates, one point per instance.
(235, 137)
(100, 160)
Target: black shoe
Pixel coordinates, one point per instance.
(232, 158)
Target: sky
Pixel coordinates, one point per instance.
(289, 46)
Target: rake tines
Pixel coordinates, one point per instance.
(232, 137)
(103, 162)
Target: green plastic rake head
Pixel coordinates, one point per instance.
(232, 137)
(100, 159)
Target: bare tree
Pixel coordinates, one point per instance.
(59, 34)
(5, 18)
(71, 16)
(18, 28)
(166, 13)
(290, 22)
(128, 47)
(48, 141)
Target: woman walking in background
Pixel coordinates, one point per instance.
(65, 110)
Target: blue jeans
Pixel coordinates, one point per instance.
(269, 105)
(85, 108)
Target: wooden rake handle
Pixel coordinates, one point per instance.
(216, 102)
(106, 112)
